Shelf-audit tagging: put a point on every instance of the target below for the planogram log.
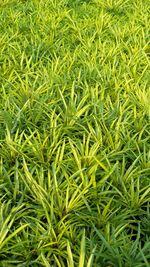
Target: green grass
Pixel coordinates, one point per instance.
(74, 133)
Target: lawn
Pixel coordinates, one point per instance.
(74, 133)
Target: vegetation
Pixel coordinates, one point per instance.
(74, 133)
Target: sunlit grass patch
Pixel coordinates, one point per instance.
(74, 133)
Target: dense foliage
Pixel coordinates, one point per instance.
(74, 133)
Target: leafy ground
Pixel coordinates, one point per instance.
(74, 133)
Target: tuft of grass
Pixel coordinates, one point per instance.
(74, 133)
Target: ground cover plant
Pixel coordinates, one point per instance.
(74, 133)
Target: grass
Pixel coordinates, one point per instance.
(74, 133)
